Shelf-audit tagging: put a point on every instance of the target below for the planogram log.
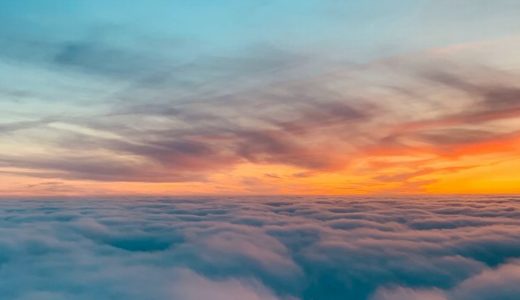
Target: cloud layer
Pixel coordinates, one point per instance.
(261, 248)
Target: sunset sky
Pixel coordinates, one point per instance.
(259, 97)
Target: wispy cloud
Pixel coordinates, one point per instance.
(115, 102)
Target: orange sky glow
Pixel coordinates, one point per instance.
(438, 121)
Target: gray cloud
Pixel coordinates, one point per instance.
(180, 120)
(490, 100)
(260, 248)
(499, 283)
(11, 127)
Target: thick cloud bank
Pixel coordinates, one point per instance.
(288, 248)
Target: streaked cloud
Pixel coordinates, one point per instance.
(121, 106)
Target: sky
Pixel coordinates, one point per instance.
(259, 97)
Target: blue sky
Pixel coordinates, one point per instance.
(230, 76)
(349, 30)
